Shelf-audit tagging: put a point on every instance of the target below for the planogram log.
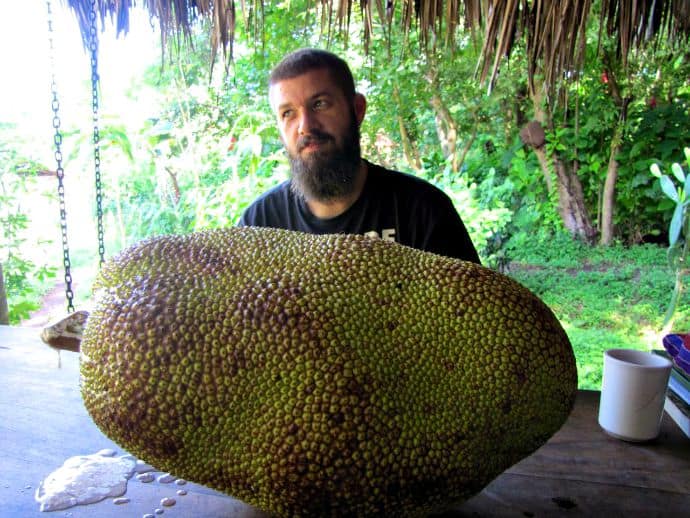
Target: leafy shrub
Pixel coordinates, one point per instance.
(25, 277)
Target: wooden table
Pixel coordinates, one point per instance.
(581, 471)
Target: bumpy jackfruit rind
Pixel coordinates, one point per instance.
(322, 375)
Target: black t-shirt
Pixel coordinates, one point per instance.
(394, 206)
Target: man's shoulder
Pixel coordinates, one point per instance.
(403, 183)
(277, 192)
(268, 205)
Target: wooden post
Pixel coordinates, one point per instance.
(4, 310)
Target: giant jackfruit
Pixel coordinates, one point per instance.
(322, 375)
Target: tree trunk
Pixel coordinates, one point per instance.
(545, 168)
(608, 202)
(571, 200)
(409, 149)
(446, 128)
(466, 149)
(4, 309)
(571, 203)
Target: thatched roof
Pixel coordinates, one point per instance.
(553, 30)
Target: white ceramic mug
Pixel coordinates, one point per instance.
(633, 390)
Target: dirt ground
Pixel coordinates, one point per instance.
(54, 308)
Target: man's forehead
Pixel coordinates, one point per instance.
(311, 83)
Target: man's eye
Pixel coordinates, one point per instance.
(286, 114)
(320, 104)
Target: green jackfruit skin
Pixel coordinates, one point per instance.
(331, 375)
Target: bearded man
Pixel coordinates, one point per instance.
(332, 189)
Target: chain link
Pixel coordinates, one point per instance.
(93, 44)
(60, 171)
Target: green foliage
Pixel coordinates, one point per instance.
(485, 215)
(533, 204)
(655, 122)
(25, 277)
(655, 135)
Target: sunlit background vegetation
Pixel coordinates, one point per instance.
(183, 149)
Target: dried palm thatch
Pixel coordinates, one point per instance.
(175, 17)
(553, 30)
(555, 36)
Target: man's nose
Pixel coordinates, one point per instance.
(307, 122)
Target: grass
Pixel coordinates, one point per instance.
(605, 297)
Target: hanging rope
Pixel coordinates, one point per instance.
(60, 171)
(93, 45)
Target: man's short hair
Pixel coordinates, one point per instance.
(305, 60)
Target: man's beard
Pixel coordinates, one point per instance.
(327, 174)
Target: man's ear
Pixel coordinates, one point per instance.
(360, 103)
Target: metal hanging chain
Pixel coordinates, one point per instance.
(93, 44)
(60, 171)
